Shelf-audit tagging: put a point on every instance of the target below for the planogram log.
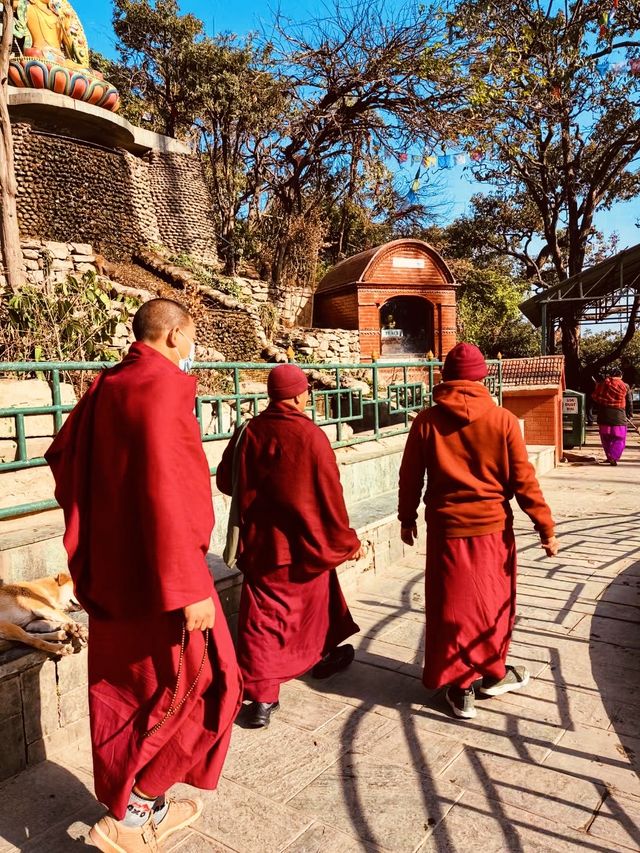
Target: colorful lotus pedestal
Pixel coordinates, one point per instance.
(50, 51)
(81, 84)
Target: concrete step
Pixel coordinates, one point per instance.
(32, 547)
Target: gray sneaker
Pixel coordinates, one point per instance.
(462, 702)
(516, 678)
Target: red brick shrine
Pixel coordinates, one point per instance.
(401, 297)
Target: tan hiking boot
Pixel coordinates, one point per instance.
(112, 836)
(181, 813)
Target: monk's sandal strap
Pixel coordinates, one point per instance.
(149, 834)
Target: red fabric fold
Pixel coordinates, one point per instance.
(294, 531)
(133, 481)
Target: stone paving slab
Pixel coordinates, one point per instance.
(369, 760)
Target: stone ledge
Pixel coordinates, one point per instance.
(89, 122)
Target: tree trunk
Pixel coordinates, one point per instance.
(11, 254)
(570, 328)
(229, 248)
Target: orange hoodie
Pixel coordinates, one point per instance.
(475, 459)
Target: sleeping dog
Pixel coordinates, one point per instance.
(36, 613)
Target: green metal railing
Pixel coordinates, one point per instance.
(384, 410)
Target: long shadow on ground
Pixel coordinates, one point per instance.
(620, 687)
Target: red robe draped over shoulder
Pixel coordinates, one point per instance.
(294, 531)
(133, 482)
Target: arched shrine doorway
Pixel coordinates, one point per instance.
(406, 327)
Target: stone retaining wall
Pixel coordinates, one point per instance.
(71, 190)
(337, 346)
(43, 706)
(48, 259)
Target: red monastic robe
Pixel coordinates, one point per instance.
(294, 532)
(133, 481)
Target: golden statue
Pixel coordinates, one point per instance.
(51, 52)
(55, 33)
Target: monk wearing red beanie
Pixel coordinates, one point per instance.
(294, 530)
(475, 460)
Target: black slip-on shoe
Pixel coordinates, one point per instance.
(335, 661)
(258, 715)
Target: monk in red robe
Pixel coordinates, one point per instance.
(293, 532)
(475, 459)
(134, 484)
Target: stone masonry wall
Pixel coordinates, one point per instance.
(43, 706)
(336, 346)
(182, 204)
(71, 190)
(48, 259)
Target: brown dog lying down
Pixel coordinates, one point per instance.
(36, 613)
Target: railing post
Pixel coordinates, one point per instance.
(199, 415)
(339, 398)
(236, 391)
(57, 400)
(21, 438)
(376, 401)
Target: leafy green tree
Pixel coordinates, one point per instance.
(490, 290)
(128, 82)
(488, 313)
(557, 124)
(161, 49)
(242, 104)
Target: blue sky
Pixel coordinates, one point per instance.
(456, 187)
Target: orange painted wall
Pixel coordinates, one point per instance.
(541, 410)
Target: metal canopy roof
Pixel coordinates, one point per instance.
(605, 291)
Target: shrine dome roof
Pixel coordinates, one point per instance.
(407, 256)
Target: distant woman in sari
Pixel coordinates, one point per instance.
(613, 397)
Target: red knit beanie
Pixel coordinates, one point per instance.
(286, 381)
(464, 361)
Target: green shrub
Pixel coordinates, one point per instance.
(74, 320)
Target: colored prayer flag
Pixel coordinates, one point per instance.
(402, 158)
(461, 159)
(445, 161)
(429, 160)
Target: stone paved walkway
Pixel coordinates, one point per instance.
(368, 760)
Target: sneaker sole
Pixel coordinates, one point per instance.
(506, 688)
(100, 840)
(461, 715)
(185, 823)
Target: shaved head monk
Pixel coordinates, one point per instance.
(475, 459)
(293, 532)
(134, 484)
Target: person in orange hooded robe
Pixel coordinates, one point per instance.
(475, 461)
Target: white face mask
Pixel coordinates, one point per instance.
(185, 364)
